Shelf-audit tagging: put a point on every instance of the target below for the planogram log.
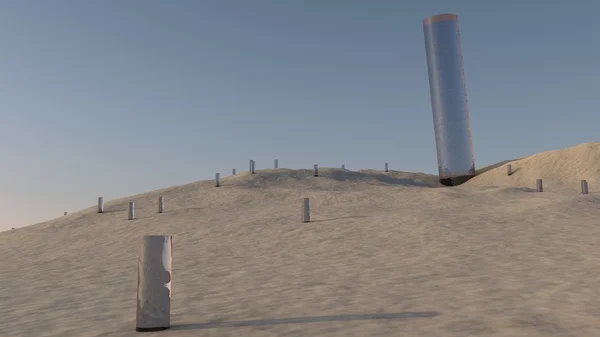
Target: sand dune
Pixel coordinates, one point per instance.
(487, 258)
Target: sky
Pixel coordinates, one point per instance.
(113, 98)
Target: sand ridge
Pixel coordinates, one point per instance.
(488, 258)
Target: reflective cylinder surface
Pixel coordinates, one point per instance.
(448, 93)
(154, 283)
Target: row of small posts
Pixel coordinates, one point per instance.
(131, 208)
(155, 261)
(540, 185)
(252, 167)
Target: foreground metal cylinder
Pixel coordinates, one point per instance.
(233, 172)
(316, 170)
(305, 210)
(276, 163)
(217, 179)
(448, 93)
(509, 170)
(100, 205)
(154, 283)
(539, 185)
(386, 167)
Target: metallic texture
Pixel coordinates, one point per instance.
(154, 283)
(305, 210)
(448, 93)
(584, 187)
(131, 210)
(161, 204)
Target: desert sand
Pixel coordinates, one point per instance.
(488, 258)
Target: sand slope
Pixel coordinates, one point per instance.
(488, 258)
(560, 170)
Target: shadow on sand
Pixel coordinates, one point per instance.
(341, 218)
(295, 320)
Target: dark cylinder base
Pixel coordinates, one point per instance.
(455, 181)
(160, 328)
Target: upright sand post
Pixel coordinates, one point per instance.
(131, 210)
(316, 170)
(161, 204)
(232, 172)
(386, 167)
(217, 178)
(305, 210)
(276, 163)
(100, 205)
(509, 169)
(540, 187)
(584, 187)
(154, 283)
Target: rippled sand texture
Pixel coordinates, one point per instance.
(388, 254)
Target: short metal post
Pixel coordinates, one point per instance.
(584, 187)
(276, 163)
(343, 167)
(386, 167)
(305, 210)
(131, 210)
(217, 176)
(316, 170)
(100, 205)
(161, 204)
(509, 169)
(154, 283)
(540, 187)
(252, 166)
(233, 172)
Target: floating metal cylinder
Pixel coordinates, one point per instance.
(161, 204)
(305, 210)
(154, 283)
(131, 210)
(448, 92)
(584, 187)
(100, 205)
(316, 170)
(217, 179)
(539, 185)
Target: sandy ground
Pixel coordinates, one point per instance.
(488, 258)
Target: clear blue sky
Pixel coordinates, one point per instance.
(112, 98)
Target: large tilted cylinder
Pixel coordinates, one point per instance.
(448, 92)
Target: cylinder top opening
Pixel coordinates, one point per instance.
(440, 18)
